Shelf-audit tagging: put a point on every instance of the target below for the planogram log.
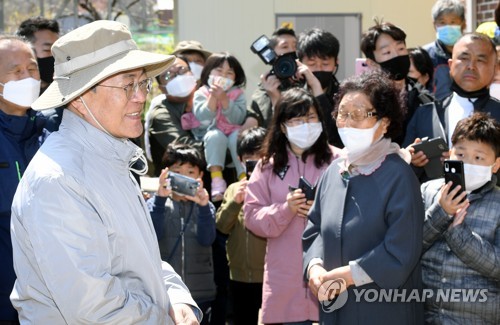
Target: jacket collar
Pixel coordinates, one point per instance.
(102, 144)
(21, 127)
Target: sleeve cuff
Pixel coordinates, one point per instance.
(314, 261)
(359, 276)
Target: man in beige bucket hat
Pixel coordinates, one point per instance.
(84, 245)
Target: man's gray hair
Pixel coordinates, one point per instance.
(16, 38)
(442, 7)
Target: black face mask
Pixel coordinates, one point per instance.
(469, 94)
(397, 67)
(46, 68)
(324, 77)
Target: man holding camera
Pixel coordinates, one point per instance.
(317, 53)
(264, 98)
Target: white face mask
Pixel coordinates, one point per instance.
(181, 86)
(223, 82)
(476, 176)
(196, 69)
(357, 140)
(304, 135)
(21, 92)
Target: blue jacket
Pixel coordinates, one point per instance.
(186, 232)
(441, 82)
(20, 138)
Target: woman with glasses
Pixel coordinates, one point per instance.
(363, 239)
(296, 146)
(163, 122)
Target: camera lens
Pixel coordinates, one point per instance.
(285, 67)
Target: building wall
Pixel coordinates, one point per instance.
(486, 10)
(233, 25)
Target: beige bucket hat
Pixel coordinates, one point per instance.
(184, 46)
(91, 53)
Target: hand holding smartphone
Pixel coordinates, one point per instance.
(183, 185)
(306, 188)
(454, 172)
(433, 149)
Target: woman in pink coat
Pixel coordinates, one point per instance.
(296, 146)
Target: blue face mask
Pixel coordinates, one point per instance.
(449, 34)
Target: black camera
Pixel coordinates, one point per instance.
(284, 66)
(183, 185)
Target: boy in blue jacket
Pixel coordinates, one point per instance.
(185, 225)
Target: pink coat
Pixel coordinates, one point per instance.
(285, 295)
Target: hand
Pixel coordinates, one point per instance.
(343, 272)
(418, 159)
(218, 92)
(315, 273)
(449, 202)
(303, 71)
(164, 189)
(444, 156)
(271, 85)
(459, 217)
(296, 200)
(304, 209)
(183, 314)
(239, 196)
(201, 197)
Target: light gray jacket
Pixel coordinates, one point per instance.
(85, 250)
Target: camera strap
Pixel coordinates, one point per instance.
(181, 234)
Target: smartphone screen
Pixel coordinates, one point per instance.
(360, 66)
(454, 172)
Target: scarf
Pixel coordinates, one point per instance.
(365, 163)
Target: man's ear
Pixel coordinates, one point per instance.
(372, 64)
(76, 106)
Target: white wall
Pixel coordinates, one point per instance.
(232, 25)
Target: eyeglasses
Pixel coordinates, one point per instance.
(133, 87)
(357, 115)
(171, 74)
(296, 121)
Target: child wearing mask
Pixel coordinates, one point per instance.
(220, 107)
(185, 225)
(296, 145)
(461, 241)
(245, 251)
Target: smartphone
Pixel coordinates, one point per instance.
(360, 66)
(183, 185)
(307, 188)
(433, 149)
(454, 172)
(250, 166)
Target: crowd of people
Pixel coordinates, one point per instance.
(280, 210)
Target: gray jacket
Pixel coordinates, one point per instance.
(85, 251)
(463, 257)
